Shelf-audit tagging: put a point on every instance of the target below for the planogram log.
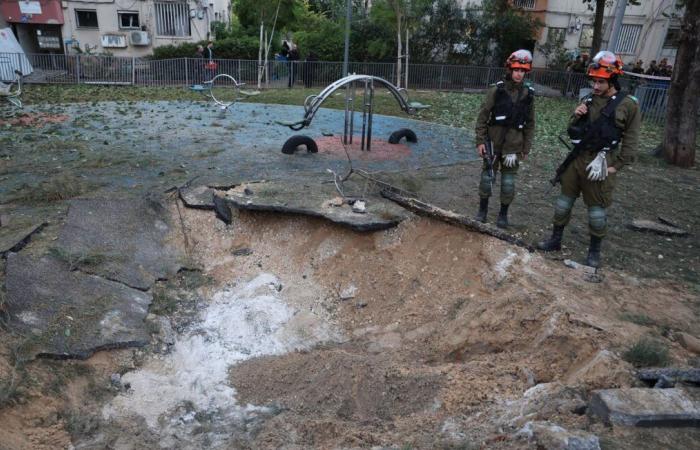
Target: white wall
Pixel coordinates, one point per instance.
(649, 14)
(108, 23)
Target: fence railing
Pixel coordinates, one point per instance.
(92, 69)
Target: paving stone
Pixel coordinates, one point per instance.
(647, 407)
(126, 240)
(12, 240)
(314, 199)
(70, 314)
(198, 197)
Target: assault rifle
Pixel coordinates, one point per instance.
(490, 158)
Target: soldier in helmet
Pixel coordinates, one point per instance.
(506, 123)
(605, 132)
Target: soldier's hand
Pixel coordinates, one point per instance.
(581, 110)
(611, 170)
(481, 148)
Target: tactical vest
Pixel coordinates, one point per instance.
(602, 134)
(508, 114)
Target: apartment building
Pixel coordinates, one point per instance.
(118, 27)
(649, 30)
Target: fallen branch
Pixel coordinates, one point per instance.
(417, 206)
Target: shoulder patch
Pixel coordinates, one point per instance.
(499, 83)
(633, 98)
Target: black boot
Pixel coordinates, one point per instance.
(502, 221)
(554, 242)
(483, 210)
(593, 258)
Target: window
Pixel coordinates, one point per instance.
(556, 35)
(86, 18)
(673, 36)
(128, 20)
(629, 35)
(172, 19)
(586, 40)
(524, 4)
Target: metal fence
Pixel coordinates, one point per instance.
(92, 69)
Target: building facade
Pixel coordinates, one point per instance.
(649, 30)
(116, 27)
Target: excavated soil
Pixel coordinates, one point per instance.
(437, 333)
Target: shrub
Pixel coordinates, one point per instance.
(647, 352)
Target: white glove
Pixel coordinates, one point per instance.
(598, 168)
(510, 160)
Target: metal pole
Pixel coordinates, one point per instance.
(617, 25)
(346, 53)
(133, 71)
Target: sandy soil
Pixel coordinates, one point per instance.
(441, 336)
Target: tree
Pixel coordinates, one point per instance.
(680, 132)
(439, 32)
(598, 21)
(269, 14)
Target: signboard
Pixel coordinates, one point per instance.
(29, 7)
(113, 41)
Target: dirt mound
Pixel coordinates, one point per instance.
(380, 150)
(436, 336)
(336, 383)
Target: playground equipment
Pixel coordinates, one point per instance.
(207, 88)
(368, 82)
(12, 91)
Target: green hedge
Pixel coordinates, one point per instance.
(239, 47)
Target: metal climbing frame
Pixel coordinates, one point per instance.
(207, 89)
(313, 103)
(12, 91)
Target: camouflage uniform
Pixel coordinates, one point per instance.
(598, 195)
(513, 140)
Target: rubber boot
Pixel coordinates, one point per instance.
(552, 244)
(483, 210)
(593, 259)
(502, 221)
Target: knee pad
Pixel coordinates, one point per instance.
(563, 205)
(485, 184)
(597, 218)
(507, 183)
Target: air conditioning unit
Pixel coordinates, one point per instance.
(140, 38)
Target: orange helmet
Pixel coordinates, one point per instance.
(604, 65)
(520, 59)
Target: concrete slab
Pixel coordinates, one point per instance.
(647, 407)
(315, 199)
(198, 197)
(69, 314)
(12, 240)
(125, 239)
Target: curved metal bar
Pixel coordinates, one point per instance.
(236, 87)
(313, 103)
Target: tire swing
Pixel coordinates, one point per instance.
(407, 133)
(297, 141)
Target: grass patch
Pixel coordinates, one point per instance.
(639, 319)
(647, 352)
(55, 189)
(76, 260)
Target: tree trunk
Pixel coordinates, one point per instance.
(598, 27)
(398, 49)
(260, 50)
(680, 131)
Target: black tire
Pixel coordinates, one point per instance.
(403, 133)
(293, 142)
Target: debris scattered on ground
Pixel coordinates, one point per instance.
(656, 227)
(647, 407)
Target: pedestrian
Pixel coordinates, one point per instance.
(506, 123)
(293, 58)
(653, 69)
(638, 66)
(603, 120)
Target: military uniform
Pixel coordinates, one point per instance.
(598, 195)
(506, 138)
